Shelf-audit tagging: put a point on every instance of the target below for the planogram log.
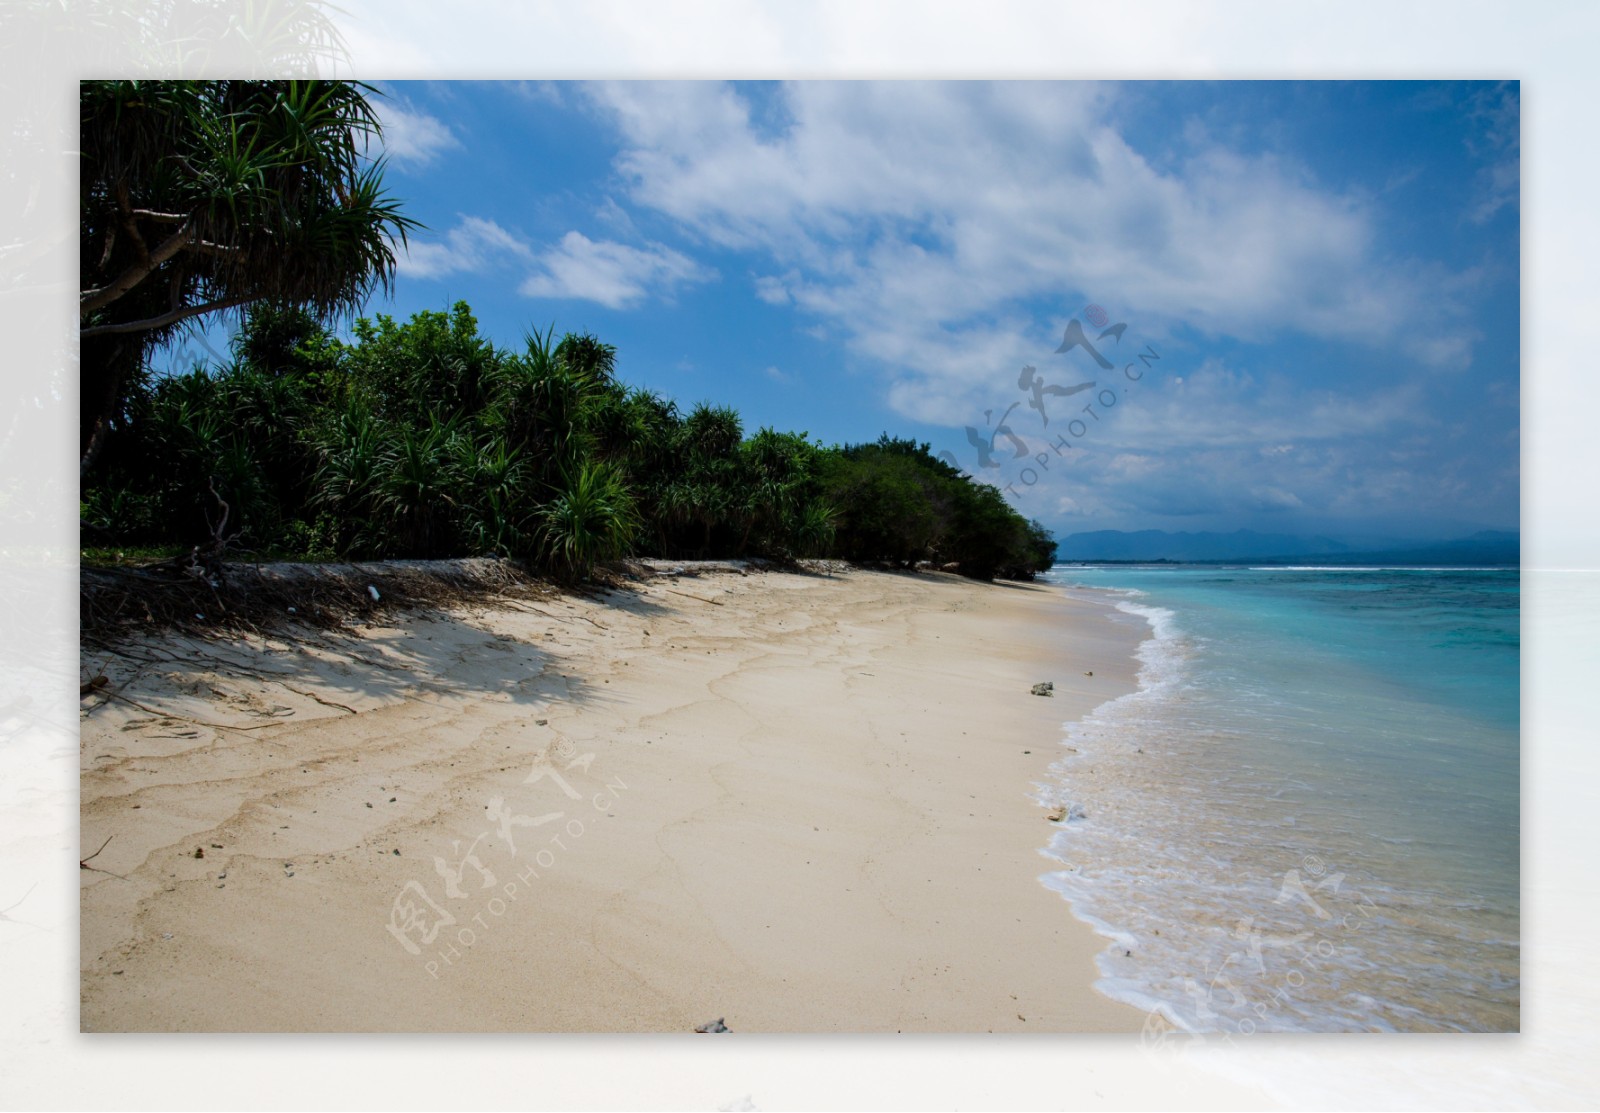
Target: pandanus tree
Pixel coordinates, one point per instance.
(197, 197)
(593, 518)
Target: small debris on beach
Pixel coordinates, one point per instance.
(1044, 688)
(199, 852)
(713, 1026)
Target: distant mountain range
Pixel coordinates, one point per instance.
(1485, 547)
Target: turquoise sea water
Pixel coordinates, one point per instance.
(1307, 818)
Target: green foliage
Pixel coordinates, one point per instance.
(886, 505)
(421, 439)
(435, 364)
(494, 515)
(282, 340)
(898, 503)
(586, 357)
(592, 519)
(418, 481)
(349, 448)
(197, 197)
(118, 512)
(815, 527)
(1041, 547)
(315, 541)
(711, 435)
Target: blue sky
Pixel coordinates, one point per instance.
(1329, 272)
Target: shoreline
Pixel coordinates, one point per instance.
(1227, 795)
(798, 802)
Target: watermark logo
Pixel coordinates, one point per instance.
(1030, 461)
(1315, 916)
(475, 898)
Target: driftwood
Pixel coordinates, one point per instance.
(205, 562)
(691, 595)
(83, 863)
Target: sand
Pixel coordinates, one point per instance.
(798, 802)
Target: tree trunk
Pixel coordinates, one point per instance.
(106, 364)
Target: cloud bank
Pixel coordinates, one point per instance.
(928, 224)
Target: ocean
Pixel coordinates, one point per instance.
(1307, 816)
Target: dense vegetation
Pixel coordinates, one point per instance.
(423, 439)
(416, 439)
(201, 196)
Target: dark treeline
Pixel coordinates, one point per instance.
(422, 439)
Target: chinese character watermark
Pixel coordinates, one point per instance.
(1267, 969)
(1040, 395)
(476, 898)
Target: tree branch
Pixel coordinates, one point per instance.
(125, 218)
(90, 300)
(167, 318)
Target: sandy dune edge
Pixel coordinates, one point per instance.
(799, 802)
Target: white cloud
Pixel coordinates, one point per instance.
(1222, 442)
(922, 221)
(1274, 499)
(1498, 145)
(413, 137)
(613, 274)
(778, 376)
(472, 246)
(771, 290)
(542, 92)
(1219, 408)
(615, 217)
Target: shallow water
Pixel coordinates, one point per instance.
(1307, 817)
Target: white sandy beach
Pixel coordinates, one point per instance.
(799, 802)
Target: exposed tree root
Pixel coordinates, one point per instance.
(253, 598)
